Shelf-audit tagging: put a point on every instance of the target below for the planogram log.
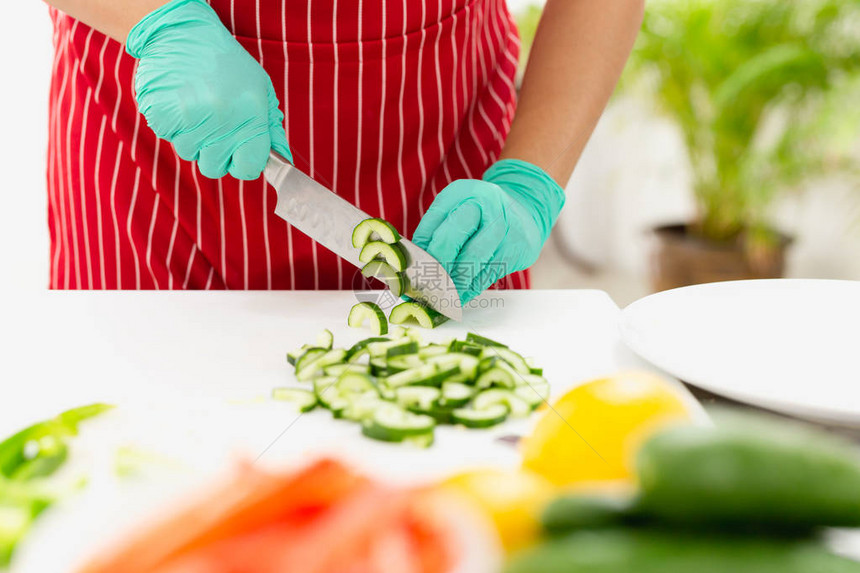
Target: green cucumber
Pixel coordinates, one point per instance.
(750, 472)
(466, 347)
(501, 375)
(374, 230)
(303, 400)
(652, 550)
(455, 394)
(397, 282)
(307, 355)
(392, 423)
(411, 311)
(362, 406)
(325, 339)
(392, 254)
(359, 349)
(467, 364)
(410, 347)
(533, 393)
(421, 398)
(513, 359)
(483, 341)
(338, 369)
(485, 418)
(432, 350)
(353, 383)
(371, 314)
(518, 407)
(379, 367)
(307, 369)
(405, 362)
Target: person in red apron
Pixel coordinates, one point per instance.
(162, 115)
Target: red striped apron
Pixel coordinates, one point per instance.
(386, 102)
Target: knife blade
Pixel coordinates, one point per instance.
(329, 220)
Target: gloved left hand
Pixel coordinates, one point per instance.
(482, 230)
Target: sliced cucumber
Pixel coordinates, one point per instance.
(325, 391)
(420, 398)
(374, 230)
(432, 350)
(306, 370)
(338, 369)
(427, 375)
(465, 347)
(471, 418)
(393, 254)
(325, 339)
(359, 349)
(533, 396)
(518, 407)
(410, 347)
(467, 364)
(422, 315)
(401, 363)
(294, 355)
(362, 406)
(303, 400)
(501, 374)
(397, 283)
(392, 423)
(379, 367)
(516, 361)
(483, 341)
(535, 370)
(309, 354)
(353, 383)
(368, 312)
(455, 394)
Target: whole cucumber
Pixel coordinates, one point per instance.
(750, 472)
(581, 511)
(655, 551)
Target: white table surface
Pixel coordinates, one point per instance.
(184, 368)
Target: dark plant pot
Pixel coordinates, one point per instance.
(682, 258)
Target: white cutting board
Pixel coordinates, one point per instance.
(184, 369)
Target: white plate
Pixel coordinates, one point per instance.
(790, 345)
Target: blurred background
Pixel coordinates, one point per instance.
(730, 150)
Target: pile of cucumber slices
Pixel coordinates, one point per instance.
(385, 259)
(399, 389)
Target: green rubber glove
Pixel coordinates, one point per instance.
(200, 90)
(483, 230)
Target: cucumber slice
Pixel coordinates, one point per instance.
(518, 407)
(391, 423)
(338, 369)
(303, 400)
(490, 416)
(516, 361)
(413, 376)
(401, 363)
(368, 312)
(379, 367)
(535, 370)
(374, 230)
(432, 350)
(424, 316)
(467, 364)
(380, 349)
(359, 349)
(420, 398)
(410, 347)
(394, 255)
(465, 347)
(307, 356)
(325, 391)
(354, 383)
(532, 396)
(397, 283)
(483, 341)
(455, 394)
(501, 374)
(307, 369)
(362, 406)
(293, 356)
(325, 339)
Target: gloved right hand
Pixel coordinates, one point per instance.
(200, 90)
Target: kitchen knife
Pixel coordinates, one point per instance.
(329, 220)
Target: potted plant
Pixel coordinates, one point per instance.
(755, 87)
